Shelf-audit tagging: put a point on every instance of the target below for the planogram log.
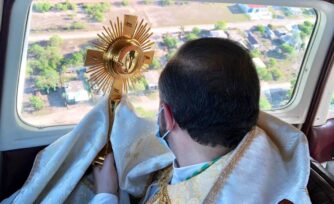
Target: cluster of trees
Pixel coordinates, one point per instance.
(261, 29)
(46, 6)
(47, 63)
(155, 64)
(264, 103)
(221, 25)
(306, 29)
(36, 102)
(272, 72)
(194, 34)
(140, 85)
(167, 2)
(76, 26)
(96, 11)
(170, 41)
(288, 49)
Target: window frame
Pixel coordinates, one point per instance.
(21, 135)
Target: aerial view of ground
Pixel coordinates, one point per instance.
(57, 91)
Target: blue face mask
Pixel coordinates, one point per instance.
(158, 134)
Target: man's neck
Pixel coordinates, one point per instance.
(196, 154)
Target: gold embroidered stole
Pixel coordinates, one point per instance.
(202, 188)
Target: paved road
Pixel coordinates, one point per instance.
(92, 34)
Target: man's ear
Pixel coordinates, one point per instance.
(169, 118)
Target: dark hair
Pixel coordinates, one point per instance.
(213, 90)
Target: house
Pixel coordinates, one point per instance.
(292, 39)
(269, 33)
(280, 31)
(252, 41)
(75, 92)
(256, 12)
(218, 33)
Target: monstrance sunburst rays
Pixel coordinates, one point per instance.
(121, 52)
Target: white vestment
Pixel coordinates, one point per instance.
(268, 166)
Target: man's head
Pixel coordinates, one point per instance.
(212, 90)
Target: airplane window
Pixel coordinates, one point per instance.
(331, 108)
(56, 91)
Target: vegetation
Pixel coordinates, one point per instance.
(144, 113)
(46, 63)
(42, 7)
(48, 80)
(286, 48)
(170, 41)
(125, 2)
(140, 85)
(220, 25)
(276, 73)
(155, 64)
(306, 28)
(264, 74)
(255, 53)
(75, 59)
(36, 102)
(191, 36)
(332, 101)
(64, 6)
(46, 6)
(264, 103)
(167, 2)
(77, 26)
(196, 30)
(96, 11)
(261, 29)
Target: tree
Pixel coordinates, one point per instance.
(64, 6)
(196, 31)
(55, 41)
(36, 50)
(220, 25)
(272, 62)
(125, 2)
(77, 25)
(170, 41)
(264, 103)
(48, 80)
(191, 36)
(261, 29)
(306, 27)
(276, 73)
(155, 63)
(167, 2)
(42, 7)
(255, 53)
(36, 102)
(96, 11)
(140, 85)
(75, 59)
(264, 74)
(287, 48)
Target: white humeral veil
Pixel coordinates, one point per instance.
(58, 172)
(274, 165)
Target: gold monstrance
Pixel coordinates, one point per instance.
(122, 51)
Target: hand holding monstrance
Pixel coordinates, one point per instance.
(123, 50)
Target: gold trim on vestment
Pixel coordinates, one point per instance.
(226, 164)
